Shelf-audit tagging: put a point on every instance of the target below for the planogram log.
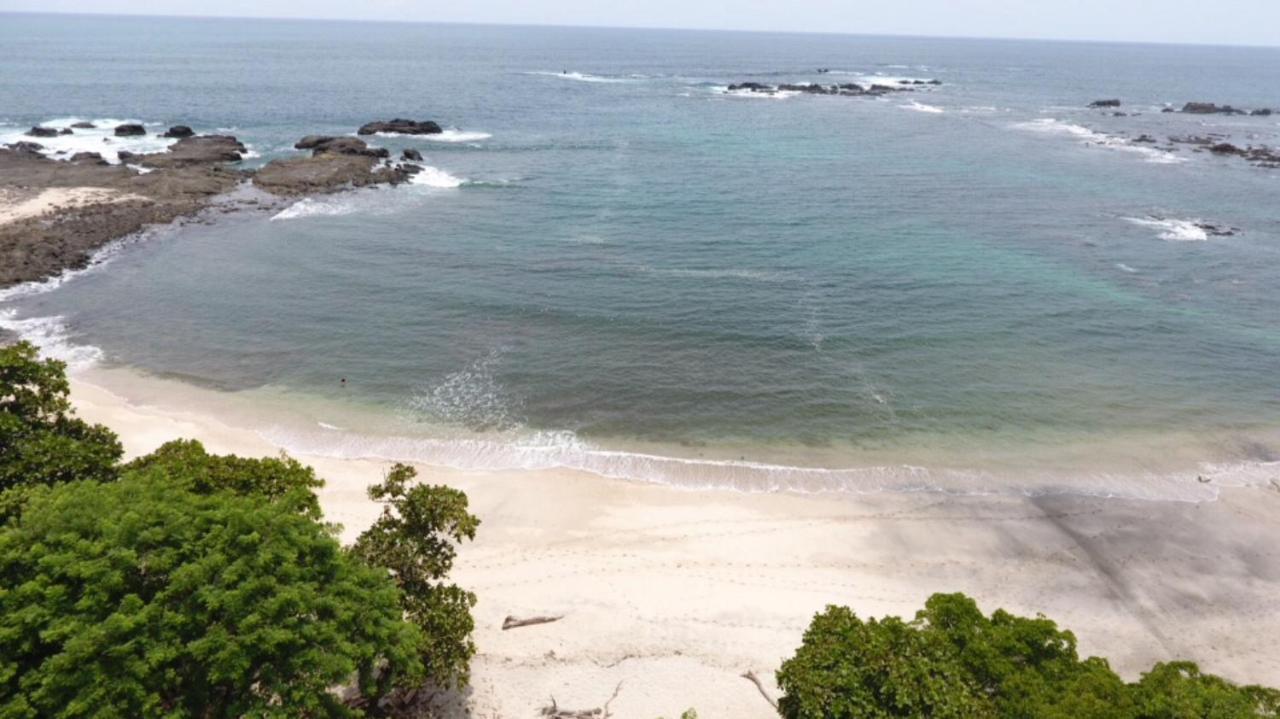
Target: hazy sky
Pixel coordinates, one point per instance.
(1247, 22)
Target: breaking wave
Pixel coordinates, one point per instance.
(1051, 126)
(565, 450)
(101, 138)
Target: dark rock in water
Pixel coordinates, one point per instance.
(409, 168)
(1209, 108)
(1146, 139)
(401, 126)
(1217, 230)
(1225, 148)
(42, 132)
(29, 148)
(1264, 112)
(179, 131)
(128, 157)
(83, 125)
(66, 131)
(1168, 109)
(92, 158)
(311, 142)
(751, 86)
(1105, 103)
(1119, 114)
(130, 130)
(411, 154)
(342, 146)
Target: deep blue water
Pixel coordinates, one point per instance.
(632, 258)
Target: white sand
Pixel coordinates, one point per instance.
(17, 205)
(676, 593)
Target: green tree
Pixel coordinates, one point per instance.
(185, 462)
(847, 668)
(415, 540)
(140, 598)
(952, 661)
(42, 443)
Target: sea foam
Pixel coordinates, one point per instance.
(1050, 126)
(100, 139)
(1173, 230)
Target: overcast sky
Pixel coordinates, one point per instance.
(1235, 22)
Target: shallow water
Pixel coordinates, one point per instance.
(612, 255)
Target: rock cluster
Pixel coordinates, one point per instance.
(847, 89)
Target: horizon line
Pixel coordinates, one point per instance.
(467, 23)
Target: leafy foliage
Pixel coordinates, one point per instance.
(415, 540)
(140, 598)
(951, 661)
(185, 462)
(41, 442)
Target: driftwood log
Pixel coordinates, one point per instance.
(751, 676)
(516, 622)
(553, 711)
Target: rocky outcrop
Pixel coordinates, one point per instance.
(93, 158)
(411, 154)
(311, 142)
(130, 130)
(35, 248)
(324, 172)
(350, 146)
(400, 126)
(198, 150)
(82, 125)
(38, 131)
(179, 131)
(1262, 112)
(1105, 103)
(26, 148)
(1209, 108)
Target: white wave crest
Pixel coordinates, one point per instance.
(770, 95)
(51, 336)
(101, 139)
(1051, 126)
(921, 107)
(582, 76)
(455, 135)
(565, 450)
(313, 207)
(435, 177)
(1173, 230)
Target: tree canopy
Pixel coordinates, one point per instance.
(42, 443)
(186, 584)
(140, 598)
(414, 540)
(952, 661)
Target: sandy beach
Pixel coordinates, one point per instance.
(674, 594)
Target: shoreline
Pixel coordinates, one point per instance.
(677, 592)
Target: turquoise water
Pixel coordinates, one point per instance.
(614, 256)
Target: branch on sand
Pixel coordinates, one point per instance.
(553, 711)
(516, 623)
(751, 676)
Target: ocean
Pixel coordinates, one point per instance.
(615, 264)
